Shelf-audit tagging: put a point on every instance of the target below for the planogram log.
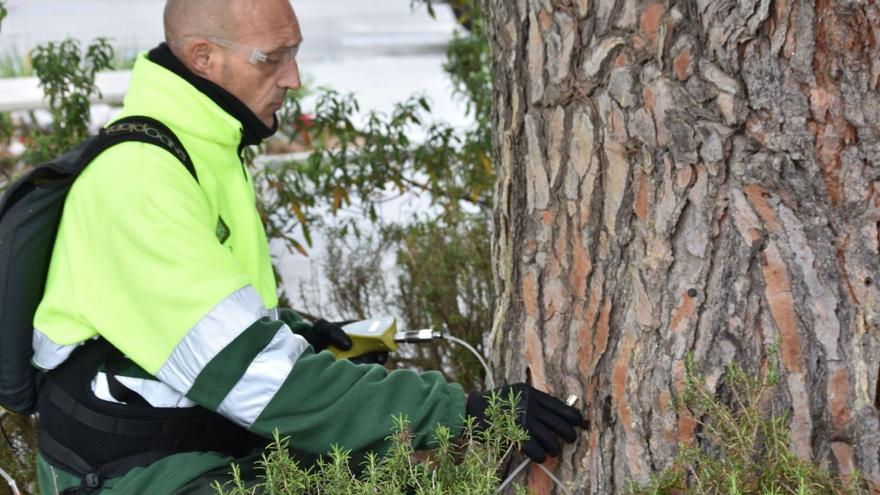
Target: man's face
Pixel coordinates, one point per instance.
(271, 27)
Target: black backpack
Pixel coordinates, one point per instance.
(30, 212)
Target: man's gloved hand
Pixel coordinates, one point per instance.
(541, 415)
(326, 333)
(322, 334)
(370, 358)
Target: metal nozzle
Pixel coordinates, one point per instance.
(416, 336)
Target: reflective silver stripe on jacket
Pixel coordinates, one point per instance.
(156, 393)
(47, 354)
(261, 381)
(210, 336)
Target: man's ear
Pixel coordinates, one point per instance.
(200, 57)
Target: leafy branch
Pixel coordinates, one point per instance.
(67, 76)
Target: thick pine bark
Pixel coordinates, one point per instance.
(689, 176)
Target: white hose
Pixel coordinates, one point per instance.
(490, 382)
(10, 482)
(513, 474)
(555, 479)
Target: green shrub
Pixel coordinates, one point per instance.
(67, 76)
(745, 449)
(444, 281)
(441, 279)
(469, 465)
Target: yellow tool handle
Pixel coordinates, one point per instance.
(367, 336)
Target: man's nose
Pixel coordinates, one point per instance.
(290, 75)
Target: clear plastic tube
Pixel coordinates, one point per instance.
(512, 475)
(490, 382)
(10, 482)
(555, 479)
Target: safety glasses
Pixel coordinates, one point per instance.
(274, 59)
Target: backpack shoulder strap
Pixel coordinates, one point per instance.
(142, 129)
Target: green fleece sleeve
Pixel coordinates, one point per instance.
(293, 320)
(320, 401)
(325, 402)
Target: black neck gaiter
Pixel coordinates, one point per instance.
(255, 131)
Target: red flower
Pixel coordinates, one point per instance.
(304, 122)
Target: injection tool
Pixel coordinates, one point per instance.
(380, 335)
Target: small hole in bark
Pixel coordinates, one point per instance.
(868, 281)
(692, 292)
(877, 393)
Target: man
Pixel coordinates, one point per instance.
(166, 354)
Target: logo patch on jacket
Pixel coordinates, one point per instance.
(222, 230)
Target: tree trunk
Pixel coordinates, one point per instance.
(696, 176)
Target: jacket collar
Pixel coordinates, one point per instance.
(254, 130)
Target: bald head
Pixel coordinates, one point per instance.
(198, 17)
(218, 40)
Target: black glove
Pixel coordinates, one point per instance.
(541, 415)
(323, 333)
